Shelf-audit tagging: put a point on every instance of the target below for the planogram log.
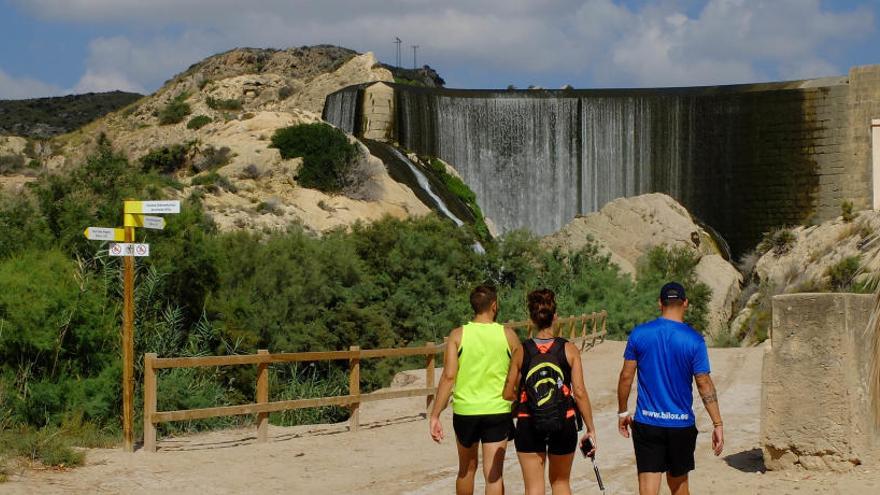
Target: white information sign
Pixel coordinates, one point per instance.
(152, 207)
(104, 234)
(157, 223)
(129, 249)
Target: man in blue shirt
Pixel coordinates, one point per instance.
(669, 355)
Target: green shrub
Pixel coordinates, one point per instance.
(457, 187)
(48, 446)
(175, 111)
(327, 155)
(842, 274)
(846, 211)
(211, 158)
(198, 122)
(221, 104)
(214, 182)
(779, 241)
(285, 92)
(166, 160)
(11, 163)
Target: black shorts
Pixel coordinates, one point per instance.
(486, 428)
(664, 450)
(562, 442)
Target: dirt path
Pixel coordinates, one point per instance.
(393, 453)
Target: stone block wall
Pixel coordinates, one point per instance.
(816, 408)
(378, 112)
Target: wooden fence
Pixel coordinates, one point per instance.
(584, 328)
(262, 407)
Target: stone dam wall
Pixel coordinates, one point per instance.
(743, 158)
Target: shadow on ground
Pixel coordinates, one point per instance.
(747, 461)
(182, 444)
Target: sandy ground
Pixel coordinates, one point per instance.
(393, 454)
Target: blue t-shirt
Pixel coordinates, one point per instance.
(668, 354)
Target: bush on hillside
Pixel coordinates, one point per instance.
(198, 122)
(779, 241)
(846, 211)
(328, 156)
(842, 275)
(11, 163)
(175, 111)
(211, 158)
(222, 104)
(166, 160)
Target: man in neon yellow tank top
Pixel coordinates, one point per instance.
(476, 364)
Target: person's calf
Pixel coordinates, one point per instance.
(678, 485)
(493, 467)
(649, 483)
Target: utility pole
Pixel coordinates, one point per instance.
(398, 42)
(414, 47)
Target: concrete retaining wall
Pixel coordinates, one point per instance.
(816, 410)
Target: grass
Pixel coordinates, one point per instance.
(457, 187)
(780, 241)
(846, 211)
(52, 446)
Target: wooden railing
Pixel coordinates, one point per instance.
(588, 329)
(585, 330)
(262, 407)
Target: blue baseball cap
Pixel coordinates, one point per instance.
(673, 291)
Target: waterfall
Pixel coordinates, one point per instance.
(426, 186)
(342, 108)
(739, 158)
(519, 155)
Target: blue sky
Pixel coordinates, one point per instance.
(56, 47)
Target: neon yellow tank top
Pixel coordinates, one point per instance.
(483, 362)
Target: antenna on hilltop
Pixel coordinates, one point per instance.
(398, 42)
(414, 47)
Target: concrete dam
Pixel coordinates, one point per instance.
(743, 159)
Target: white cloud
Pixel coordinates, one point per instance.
(17, 88)
(597, 41)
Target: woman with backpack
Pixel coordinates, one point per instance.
(547, 384)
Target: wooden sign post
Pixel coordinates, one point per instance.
(133, 216)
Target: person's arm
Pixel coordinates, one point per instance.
(581, 396)
(624, 387)
(710, 400)
(447, 381)
(511, 386)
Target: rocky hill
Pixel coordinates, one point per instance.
(626, 229)
(215, 121)
(43, 118)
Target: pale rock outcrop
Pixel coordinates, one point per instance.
(803, 264)
(626, 229)
(12, 145)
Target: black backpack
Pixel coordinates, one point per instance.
(545, 377)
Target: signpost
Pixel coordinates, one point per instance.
(133, 216)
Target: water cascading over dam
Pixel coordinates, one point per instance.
(743, 159)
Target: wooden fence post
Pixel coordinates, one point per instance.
(262, 398)
(429, 374)
(354, 387)
(149, 402)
